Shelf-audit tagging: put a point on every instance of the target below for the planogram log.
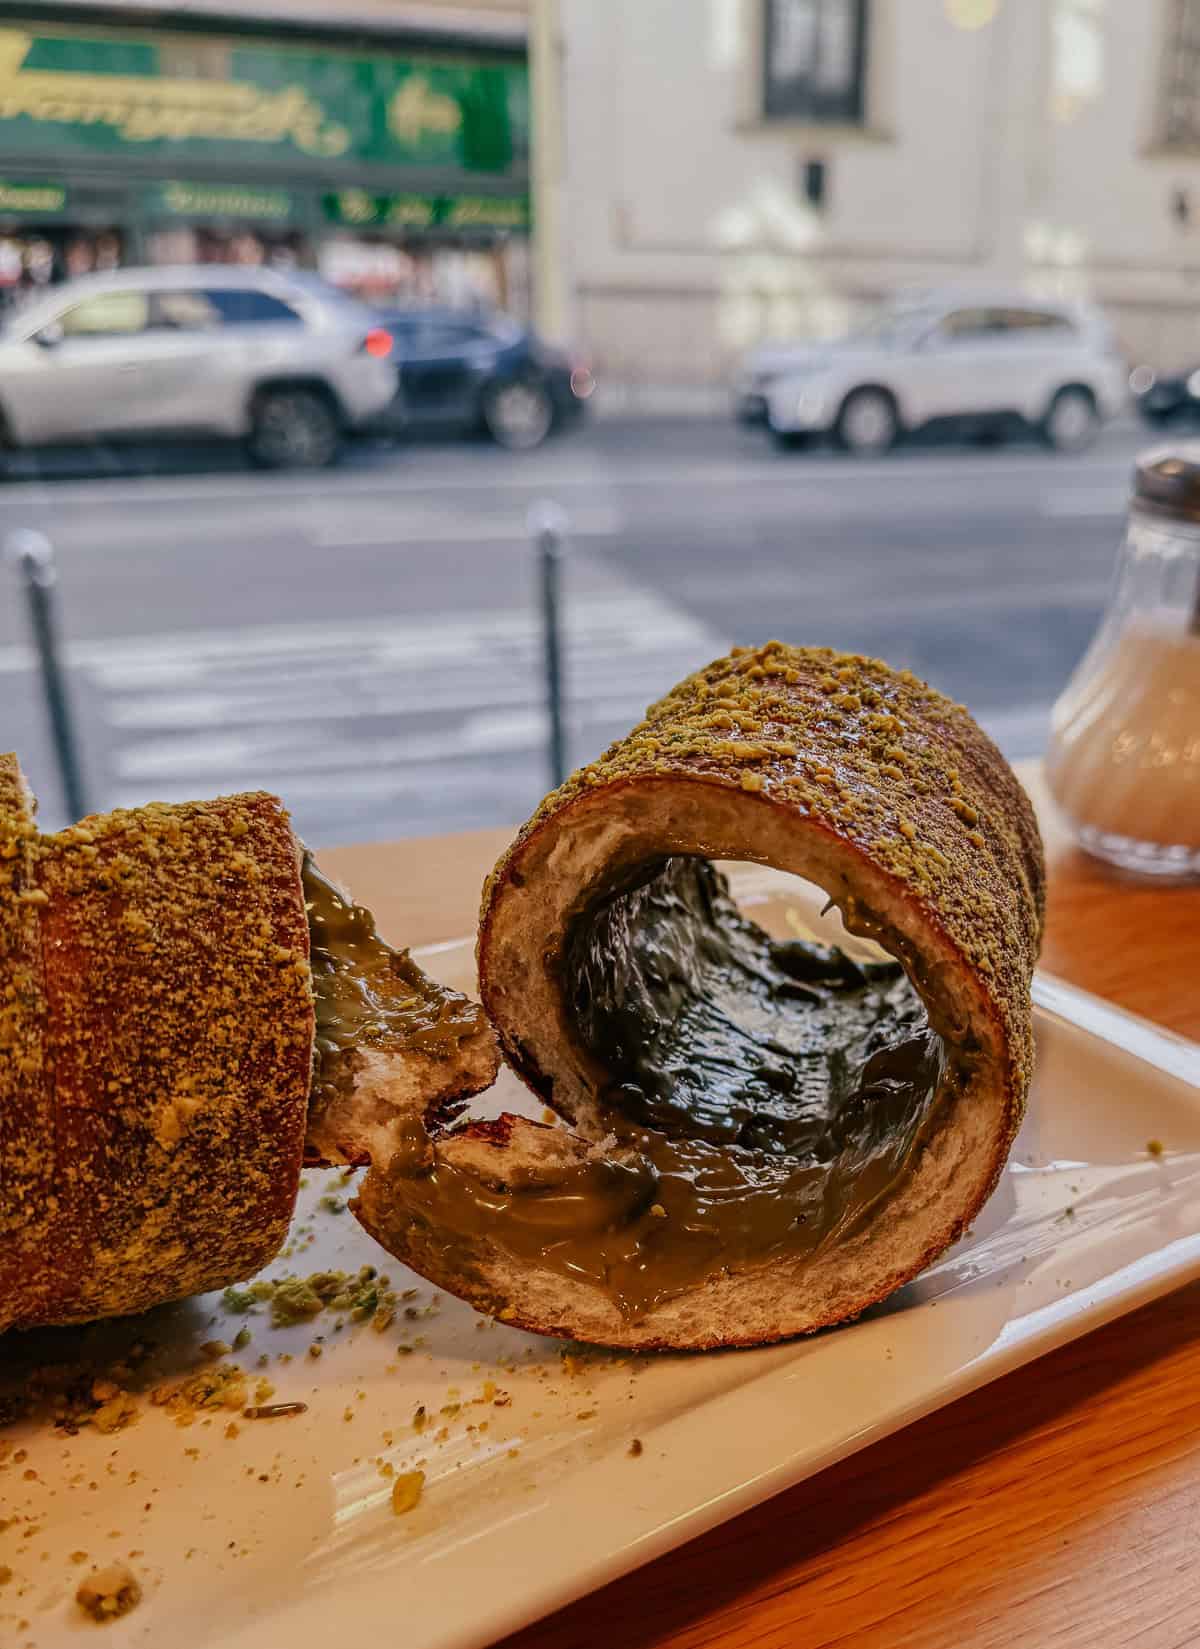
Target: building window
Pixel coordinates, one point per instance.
(814, 60)
(1181, 77)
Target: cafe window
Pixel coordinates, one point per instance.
(814, 60)
(1180, 82)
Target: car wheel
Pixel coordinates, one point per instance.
(294, 429)
(518, 415)
(1073, 420)
(868, 423)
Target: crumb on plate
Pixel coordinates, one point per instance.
(406, 1491)
(107, 1594)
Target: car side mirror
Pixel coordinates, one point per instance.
(50, 335)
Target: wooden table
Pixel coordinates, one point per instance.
(1059, 1506)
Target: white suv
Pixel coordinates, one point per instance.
(283, 362)
(1053, 366)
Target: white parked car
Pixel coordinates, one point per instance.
(282, 361)
(983, 363)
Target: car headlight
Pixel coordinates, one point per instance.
(1141, 379)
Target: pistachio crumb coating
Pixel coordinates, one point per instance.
(156, 1032)
(878, 758)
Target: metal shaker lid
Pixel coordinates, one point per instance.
(1166, 481)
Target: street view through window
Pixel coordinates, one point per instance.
(397, 397)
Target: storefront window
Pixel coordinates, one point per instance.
(34, 255)
(249, 247)
(380, 270)
(401, 174)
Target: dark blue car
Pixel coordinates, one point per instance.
(1167, 400)
(467, 371)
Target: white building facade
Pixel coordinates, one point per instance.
(738, 170)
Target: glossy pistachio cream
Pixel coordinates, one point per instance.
(366, 993)
(761, 1098)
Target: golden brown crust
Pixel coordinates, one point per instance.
(152, 1113)
(800, 757)
(26, 1100)
(881, 760)
(421, 1249)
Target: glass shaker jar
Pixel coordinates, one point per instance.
(1124, 756)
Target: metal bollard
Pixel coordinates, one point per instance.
(32, 554)
(548, 529)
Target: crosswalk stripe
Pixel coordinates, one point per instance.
(486, 734)
(637, 620)
(387, 530)
(378, 695)
(375, 707)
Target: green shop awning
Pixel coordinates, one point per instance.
(222, 99)
(360, 209)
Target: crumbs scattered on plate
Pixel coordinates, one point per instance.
(109, 1421)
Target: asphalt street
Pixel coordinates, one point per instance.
(366, 641)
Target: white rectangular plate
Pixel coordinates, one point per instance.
(285, 1534)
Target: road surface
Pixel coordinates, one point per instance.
(366, 641)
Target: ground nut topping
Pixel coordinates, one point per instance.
(884, 762)
(158, 1012)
